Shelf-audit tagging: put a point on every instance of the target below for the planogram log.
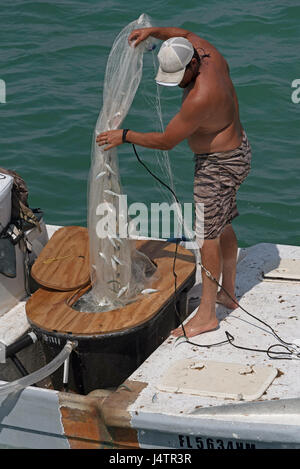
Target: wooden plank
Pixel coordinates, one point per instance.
(82, 421)
(117, 417)
(101, 419)
(63, 264)
(52, 311)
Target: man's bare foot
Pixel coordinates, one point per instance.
(196, 326)
(223, 299)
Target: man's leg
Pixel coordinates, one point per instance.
(229, 248)
(205, 318)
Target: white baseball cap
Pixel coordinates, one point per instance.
(173, 56)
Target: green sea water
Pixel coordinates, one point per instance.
(53, 56)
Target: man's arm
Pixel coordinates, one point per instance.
(184, 124)
(139, 35)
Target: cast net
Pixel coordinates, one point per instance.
(119, 272)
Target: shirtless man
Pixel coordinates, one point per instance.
(209, 120)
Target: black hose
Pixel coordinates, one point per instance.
(20, 344)
(17, 346)
(19, 365)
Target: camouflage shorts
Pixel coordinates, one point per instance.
(216, 181)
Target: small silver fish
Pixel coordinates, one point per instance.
(111, 192)
(101, 254)
(117, 260)
(100, 175)
(113, 263)
(123, 290)
(112, 241)
(149, 290)
(110, 169)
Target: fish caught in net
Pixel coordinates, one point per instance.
(119, 272)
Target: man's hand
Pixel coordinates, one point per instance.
(112, 138)
(139, 35)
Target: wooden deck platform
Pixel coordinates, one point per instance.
(52, 310)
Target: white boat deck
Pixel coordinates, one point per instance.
(276, 303)
(176, 420)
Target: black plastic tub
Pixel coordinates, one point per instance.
(106, 360)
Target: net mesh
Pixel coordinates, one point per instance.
(119, 272)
